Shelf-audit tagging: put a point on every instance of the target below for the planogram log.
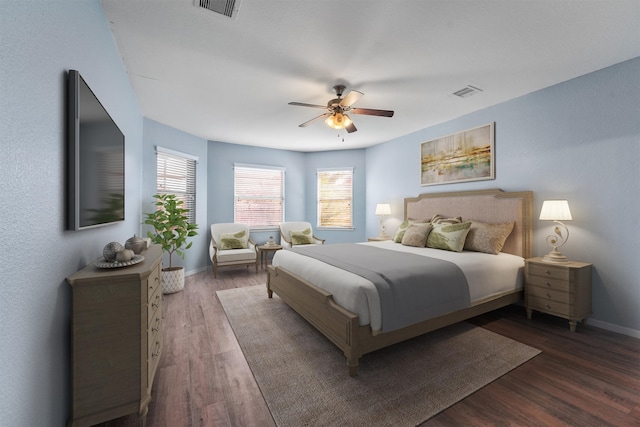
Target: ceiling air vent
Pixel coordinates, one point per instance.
(228, 8)
(467, 91)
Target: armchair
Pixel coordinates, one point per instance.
(300, 226)
(231, 245)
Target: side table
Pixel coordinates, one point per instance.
(378, 239)
(563, 290)
(264, 253)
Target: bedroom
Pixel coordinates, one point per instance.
(578, 140)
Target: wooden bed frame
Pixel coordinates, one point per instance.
(342, 327)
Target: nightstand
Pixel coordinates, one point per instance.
(378, 239)
(264, 253)
(562, 290)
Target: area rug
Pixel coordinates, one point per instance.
(304, 378)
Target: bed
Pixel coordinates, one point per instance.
(316, 291)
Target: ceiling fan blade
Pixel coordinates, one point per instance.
(372, 112)
(351, 98)
(351, 128)
(302, 104)
(308, 122)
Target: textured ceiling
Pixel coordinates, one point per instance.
(230, 80)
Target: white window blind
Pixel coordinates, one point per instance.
(335, 197)
(176, 174)
(258, 195)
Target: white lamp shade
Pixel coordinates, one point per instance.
(555, 210)
(383, 209)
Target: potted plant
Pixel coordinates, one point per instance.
(171, 230)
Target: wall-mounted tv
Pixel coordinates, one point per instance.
(95, 160)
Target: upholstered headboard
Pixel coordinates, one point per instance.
(491, 206)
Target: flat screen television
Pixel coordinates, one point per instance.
(95, 160)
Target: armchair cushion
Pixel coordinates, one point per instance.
(303, 237)
(236, 240)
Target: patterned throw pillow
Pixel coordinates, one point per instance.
(402, 228)
(488, 238)
(449, 237)
(416, 235)
(236, 240)
(440, 219)
(304, 237)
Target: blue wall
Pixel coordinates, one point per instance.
(578, 140)
(39, 42)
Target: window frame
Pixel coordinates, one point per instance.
(266, 169)
(319, 198)
(188, 195)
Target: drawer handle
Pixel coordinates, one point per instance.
(548, 295)
(548, 306)
(547, 283)
(157, 327)
(157, 352)
(156, 304)
(547, 272)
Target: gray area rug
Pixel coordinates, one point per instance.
(304, 377)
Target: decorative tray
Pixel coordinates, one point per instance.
(101, 263)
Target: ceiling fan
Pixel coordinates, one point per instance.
(336, 116)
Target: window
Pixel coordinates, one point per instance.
(335, 196)
(176, 174)
(258, 195)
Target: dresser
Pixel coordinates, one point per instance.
(116, 339)
(562, 290)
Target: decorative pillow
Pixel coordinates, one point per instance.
(402, 228)
(450, 237)
(439, 219)
(488, 238)
(236, 240)
(304, 237)
(416, 235)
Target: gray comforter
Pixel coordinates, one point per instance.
(412, 288)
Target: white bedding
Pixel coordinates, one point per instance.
(486, 274)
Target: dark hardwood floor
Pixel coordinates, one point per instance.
(587, 378)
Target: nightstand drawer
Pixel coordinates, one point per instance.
(548, 293)
(548, 283)
(548, 271)
(548, 306)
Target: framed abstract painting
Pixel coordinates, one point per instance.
(463, 156)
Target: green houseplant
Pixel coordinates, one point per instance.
(171, 228)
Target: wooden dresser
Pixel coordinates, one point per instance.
(116, 339)
(562, 290)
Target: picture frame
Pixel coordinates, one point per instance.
(464, 156)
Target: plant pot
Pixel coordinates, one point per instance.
(172, 280)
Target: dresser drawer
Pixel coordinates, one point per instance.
(548, 271)
(155, 302)
(549, 293)
(548, 306)
(155, 351)
(154, 282)
(548, 283)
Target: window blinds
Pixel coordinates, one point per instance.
(176, 174)
(335, 196)
(258, 195)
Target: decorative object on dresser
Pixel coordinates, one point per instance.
(556, 211)
(562, 290)
(116, 339)
(171, 229)
(382, 210)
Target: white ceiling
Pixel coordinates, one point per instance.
(230, 80)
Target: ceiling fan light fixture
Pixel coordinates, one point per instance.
(338, 121)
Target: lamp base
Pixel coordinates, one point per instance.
(555, 257)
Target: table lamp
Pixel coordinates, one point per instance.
(556, 211)
(383, 209)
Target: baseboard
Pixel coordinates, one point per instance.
(198, 270)
(613, 328)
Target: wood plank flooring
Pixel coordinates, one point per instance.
(587, 378)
